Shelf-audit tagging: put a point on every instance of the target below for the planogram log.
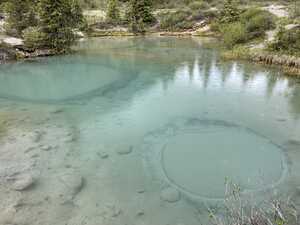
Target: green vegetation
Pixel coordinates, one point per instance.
(57, 21)
(239, 27)
(53, 24)
(287, 41)
(44, 23)
(176, 21)
(234, 33)
(113, 13)
(33, 38)
(230, 12)
(20, 16)
(140, 14)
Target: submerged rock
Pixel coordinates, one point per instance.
(281, 119)
(140, 213)
(125, 151)
(103, 155)
(56, 111)
(46, 147)
(36, 136)
(71, 184)
(170, 195)
(114, 211)
(23, 182)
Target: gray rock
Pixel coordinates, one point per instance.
(170, 195)
(23, 182)
(125, 151)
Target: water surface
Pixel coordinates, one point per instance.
(136, 116)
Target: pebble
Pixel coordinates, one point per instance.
(281, 119)
(140, 213)
(125, 151)
(114, 211)
(36, 137)
(103, 155)
(170, 195)
(70, 139)
(56, 111)
(141, 191)
(23, 182)
(46, 147)
(35, 156)
(29, 149)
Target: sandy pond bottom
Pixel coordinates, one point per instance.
(142, 131)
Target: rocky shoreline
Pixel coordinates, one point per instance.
(14, 49)
(290, 64)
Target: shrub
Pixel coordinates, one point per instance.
(257, 21)
(33, 38)
(287, 41)
(230, 12)
(250, 24)
(234, 33)
(198, 5)
(176, 21)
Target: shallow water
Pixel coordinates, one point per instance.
(142, 131)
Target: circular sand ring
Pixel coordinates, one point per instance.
(197, 156)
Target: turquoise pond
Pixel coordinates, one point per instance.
(142, 131)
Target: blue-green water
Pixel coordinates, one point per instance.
(130, 119)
